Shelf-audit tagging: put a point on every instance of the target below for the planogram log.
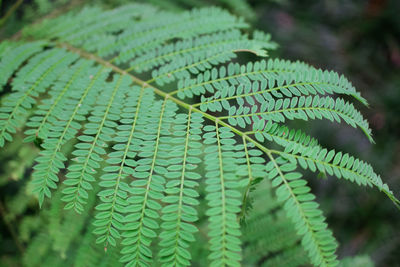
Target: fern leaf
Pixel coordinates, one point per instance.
(51, 158)
(15, 56)
(179, 213)
(317, 240)
(222, 189)
(184, 25)
(52, 108)
(277, 244)
(184, 52)
(30, 81)
(70, 226)
(143, 206)
(292, 140)
(299, 108)
(69, 27)
(109, 220)
(282, 78)
(195, 55)
(340, 165)
(150, 145)
(98, 131)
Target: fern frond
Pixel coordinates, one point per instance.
(12, 56)
(277, 244)
(69, 28)
(143, 206)
(299, 108)
(265, 79)
(109, 220)
(183, 25)
(98, 131)
(149, 32)
(65, 128)
(223, 194)
(179, 212)
(309, 222)
(339, 164)
(140, 222)
(208, 49)
(292, 140)
(52, 107)
(182, 69)
(68, 229)
(30, 81)
(150, 145)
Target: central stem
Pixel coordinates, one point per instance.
(161, 93)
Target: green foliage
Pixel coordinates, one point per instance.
(309, 222)
(138, 156)
(277, 244)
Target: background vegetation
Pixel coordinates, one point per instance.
(360, 39)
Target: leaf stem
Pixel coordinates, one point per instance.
(10, 12)
(247, 189)
(10, 227)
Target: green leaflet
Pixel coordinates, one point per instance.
(183, 25)
(147, 158)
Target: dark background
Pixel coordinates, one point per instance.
(360, 39)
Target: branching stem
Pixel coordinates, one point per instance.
(180, 102)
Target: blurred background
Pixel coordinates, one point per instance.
(357, 38)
